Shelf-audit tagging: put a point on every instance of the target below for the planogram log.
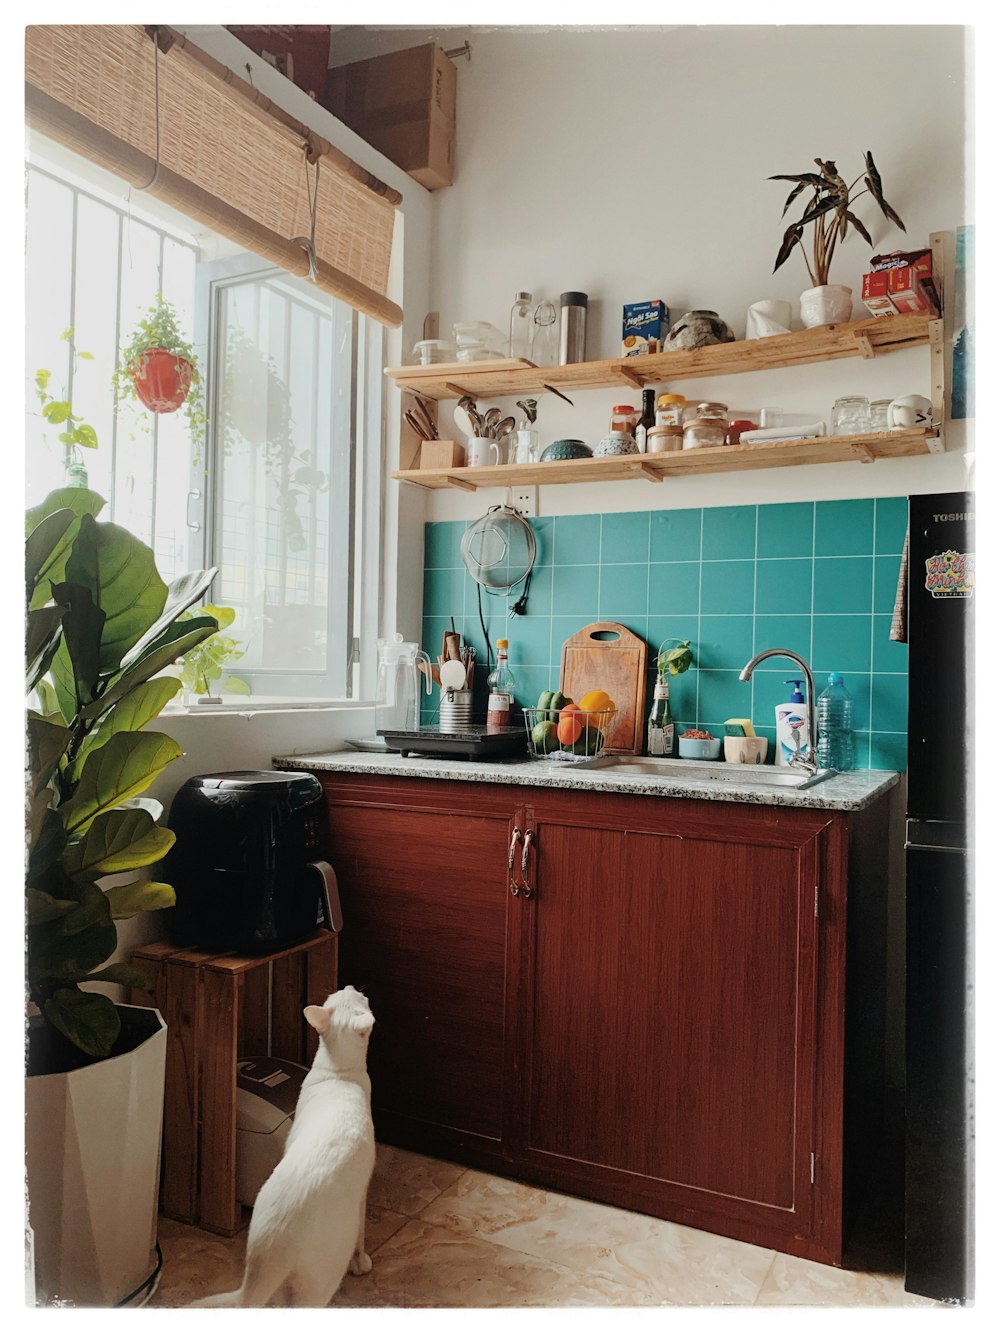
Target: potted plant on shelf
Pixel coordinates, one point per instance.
(101, 626)
(829, 213)
(159, 368)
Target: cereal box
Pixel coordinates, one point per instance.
(644, 326)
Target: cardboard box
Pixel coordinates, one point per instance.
(300, 51)
(403, 104)
(442, 453)
(875, 294)
(644, 326)
(911, 284)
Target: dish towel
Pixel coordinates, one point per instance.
(897, 630)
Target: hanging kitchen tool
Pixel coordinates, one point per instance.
(499, 549)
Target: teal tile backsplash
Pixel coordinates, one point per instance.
(819, 578)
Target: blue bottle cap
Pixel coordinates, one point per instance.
(836, 678)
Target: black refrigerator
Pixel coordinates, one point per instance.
(939, 1048)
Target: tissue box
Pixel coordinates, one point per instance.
(644, 326)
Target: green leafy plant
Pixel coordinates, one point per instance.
(76, 433)
(101, 626)
(160, 329)
(829, 213)
(674, 661)
(206, 663)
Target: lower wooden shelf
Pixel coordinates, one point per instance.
(656, 467)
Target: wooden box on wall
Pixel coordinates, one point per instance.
(403, 104)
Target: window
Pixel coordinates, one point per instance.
(276, 497)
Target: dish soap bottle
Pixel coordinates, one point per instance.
(835, 721)
(660, 731)
(792, 727)
(500, 708)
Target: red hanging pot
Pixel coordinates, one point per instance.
(161, 379)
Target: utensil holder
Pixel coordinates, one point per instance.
(442, 453)
(456, 710)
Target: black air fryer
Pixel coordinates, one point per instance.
(249, 865)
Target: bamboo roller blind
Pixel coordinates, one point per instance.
(223, 161)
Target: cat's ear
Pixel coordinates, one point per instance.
(363, 1026)
(317, 1017)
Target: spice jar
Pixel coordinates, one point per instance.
(670, 409)
(664, 439)
(709, 428)
(623, 418)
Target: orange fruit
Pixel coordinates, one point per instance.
(595, 703)
(570, 725)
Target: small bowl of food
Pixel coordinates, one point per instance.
(695, 744)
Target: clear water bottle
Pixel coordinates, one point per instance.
(835, 723)
(520, 325)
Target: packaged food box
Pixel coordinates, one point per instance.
(911, 284)
(644, 326)
(875, 293)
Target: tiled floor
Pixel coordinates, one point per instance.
(443, 1236)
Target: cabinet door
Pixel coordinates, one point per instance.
(423, 886)
(668, 1020)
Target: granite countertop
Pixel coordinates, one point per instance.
(846, 791)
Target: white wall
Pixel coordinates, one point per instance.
(633, 164)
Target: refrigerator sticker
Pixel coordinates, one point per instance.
(951, 574)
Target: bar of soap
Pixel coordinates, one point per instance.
(739, 726)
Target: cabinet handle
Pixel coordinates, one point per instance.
(515, 838)
(529, 838)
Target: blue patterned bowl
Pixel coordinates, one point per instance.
(616, 445)
(563, 450)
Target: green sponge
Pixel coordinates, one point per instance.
(739, 726)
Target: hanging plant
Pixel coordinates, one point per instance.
(158, 368)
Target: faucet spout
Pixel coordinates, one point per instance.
(807, 760)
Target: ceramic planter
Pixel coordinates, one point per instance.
(829, 304)
(161, 379)
(92, 1152)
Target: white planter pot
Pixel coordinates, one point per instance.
(92, 1150)
(830, 304)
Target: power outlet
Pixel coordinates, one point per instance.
(525, 501)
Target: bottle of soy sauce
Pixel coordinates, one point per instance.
(647, 419)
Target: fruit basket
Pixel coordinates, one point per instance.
(567, 735)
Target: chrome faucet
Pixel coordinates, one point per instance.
(802, 759)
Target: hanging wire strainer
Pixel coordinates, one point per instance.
(499, 549)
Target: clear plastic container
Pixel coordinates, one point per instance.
(850, 416)
(434, 351)
(835, 725)
(709, 428)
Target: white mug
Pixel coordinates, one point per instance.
(479, 452)
(909, 412)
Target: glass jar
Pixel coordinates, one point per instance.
(623, 418)
(850, 416)
(670, 409)
(709, 428)
(664, 439)
(878, 414)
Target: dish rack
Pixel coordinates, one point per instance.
(567, 737)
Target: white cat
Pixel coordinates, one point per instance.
(308, 1222)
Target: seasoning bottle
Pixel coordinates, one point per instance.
(520, 325)
(572, 327)
(709, 428)
(660, 731)
(670, 409)
(623, 418)
(646, 420)
(500, 707)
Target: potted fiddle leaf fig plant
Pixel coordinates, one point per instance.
(101, 627)
(158, 367)
(830, 213)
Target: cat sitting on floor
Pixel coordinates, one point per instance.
(308, 1223)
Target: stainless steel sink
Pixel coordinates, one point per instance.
(753, 775)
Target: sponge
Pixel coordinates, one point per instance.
(739, 726)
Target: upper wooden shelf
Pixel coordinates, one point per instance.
(491, 379)
(687, 462)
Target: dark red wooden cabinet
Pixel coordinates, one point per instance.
(639, 1000)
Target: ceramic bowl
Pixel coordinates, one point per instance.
(616, 445)
(692, 749)
(562, 450)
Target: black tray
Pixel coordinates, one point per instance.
(472, 743)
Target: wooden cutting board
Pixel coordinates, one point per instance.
(607, 656)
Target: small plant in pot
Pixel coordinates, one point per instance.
(829, 213)
(158, 367)
(208, 662)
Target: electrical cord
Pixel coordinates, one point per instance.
(146, 1285)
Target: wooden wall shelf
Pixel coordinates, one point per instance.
(508, 378)
(656, 467)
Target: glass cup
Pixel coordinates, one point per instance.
(878, 415)
(850, 416)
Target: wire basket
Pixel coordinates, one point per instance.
(567, 736)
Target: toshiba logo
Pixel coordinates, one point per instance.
(949, 518)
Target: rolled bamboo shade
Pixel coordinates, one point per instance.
(222, 160)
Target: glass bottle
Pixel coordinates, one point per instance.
(646, 419)
(520, 326)
(670, 409)
(623, 418)
(850, 416)
(500, 707)
(660, 731)
(544, 335)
